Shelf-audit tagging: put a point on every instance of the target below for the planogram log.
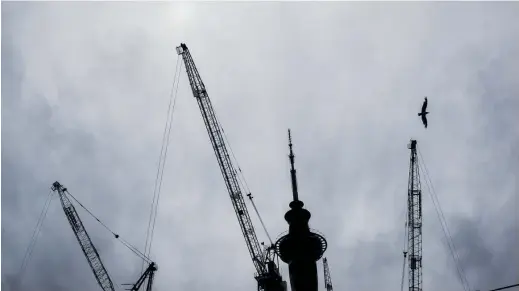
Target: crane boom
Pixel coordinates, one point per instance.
(149, 274)
(267, 272)
(327, 276)
(84, 239)
(414, 216)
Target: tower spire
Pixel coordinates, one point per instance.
(301, 247)
(292, 169)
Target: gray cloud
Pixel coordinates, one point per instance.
(84, 96)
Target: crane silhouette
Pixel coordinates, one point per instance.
(424, 113)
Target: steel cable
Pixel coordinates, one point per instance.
(162, 159)
(36, 232)
(118, 237)
(443, 224)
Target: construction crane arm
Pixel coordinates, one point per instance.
(224, 161)
(327, 276)
(84, 239)
(149, 274)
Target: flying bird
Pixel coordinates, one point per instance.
(424, 113)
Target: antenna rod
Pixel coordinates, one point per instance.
(292, 169)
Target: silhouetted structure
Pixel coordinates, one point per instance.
(267, 272)
(300, 248)
(91, 254)
(414, 222)
(327, 276)
(148, 274)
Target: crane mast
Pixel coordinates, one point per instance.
(84, 239)
(149, 274)
(327, 276)
(414, 216)
(268, 276)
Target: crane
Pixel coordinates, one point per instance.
(414, 225)
(94, 260)
(149, 274)
(267, 272)
(327, 276)
(84, 240)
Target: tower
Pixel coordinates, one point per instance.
(301, 248)
(327, 276)
(414, 225)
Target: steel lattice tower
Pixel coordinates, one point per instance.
(414, 225)
(84, 240)
(327, 276)
(267, 271)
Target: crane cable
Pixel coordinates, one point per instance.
(162, 160)
(506, 287)
(241, 178)
(404, 251)
(118, 237)
(28, 253)
(261, 220)
(441, 217)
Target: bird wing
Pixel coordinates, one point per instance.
(424, 106)
(424, 120)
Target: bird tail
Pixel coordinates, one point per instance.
(419, 114)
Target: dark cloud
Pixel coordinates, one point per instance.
(488, 263)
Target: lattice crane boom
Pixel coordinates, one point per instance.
(84, 239)
(327, 276)
(265, 270)
(414, 225)
(149, 274)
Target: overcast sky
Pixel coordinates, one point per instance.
(85, 90)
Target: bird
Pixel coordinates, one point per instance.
(424, 113)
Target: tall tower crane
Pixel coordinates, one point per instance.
(327, 276)
(84, 240)
(414, 225)
(93, 258)
(267, 272)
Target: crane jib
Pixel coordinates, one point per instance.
(224, 161)
(89, 250)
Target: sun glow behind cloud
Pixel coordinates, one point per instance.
(181, 13)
